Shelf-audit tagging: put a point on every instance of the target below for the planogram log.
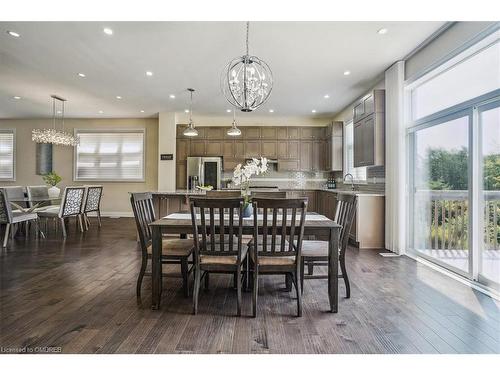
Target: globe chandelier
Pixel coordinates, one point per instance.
(190, 131)
(54, 136)
(247, 81)
(234, 131)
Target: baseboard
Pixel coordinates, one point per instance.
(473, 284)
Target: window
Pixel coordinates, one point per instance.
(359, 174)
(110, 156)
(7, 158)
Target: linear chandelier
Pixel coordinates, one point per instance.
(247, 81)
(54, 136)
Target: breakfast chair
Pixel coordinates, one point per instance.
(10, 218)
(174, 251)
(276, 247)
(16, 192)
(71, 206)
(316, 252)
(92, 204)
(220, 248)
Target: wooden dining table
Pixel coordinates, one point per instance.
(180, 224)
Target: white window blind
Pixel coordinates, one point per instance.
(110, 156)
(7, 149)
(358, 173)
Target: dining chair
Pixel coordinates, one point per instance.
(71, 206)
(223, 193)
(316, 252)
(16, 192)
(10, 218)
(92, 203)
(174, 251)
(276, 247)
(219, 248)
(39, 192)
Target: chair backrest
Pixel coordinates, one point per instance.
(38, 192)
(14, 192)
(92, 198)
(344, 215)
(144, 214)
(72, 202)
(290, 229)
(5, 209)
(223, 193)
(220, 235)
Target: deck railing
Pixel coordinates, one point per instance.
(446, 214)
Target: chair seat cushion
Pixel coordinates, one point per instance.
(51, 211)
(281, 260)
(223, 259)
(317, 249)
(177, 247)
(18, 217)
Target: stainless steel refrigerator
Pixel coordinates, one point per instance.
(204, 171)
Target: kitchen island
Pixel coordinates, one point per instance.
(367, 232)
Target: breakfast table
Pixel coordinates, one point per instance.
(180, 224)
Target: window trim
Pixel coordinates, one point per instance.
(14, 149)
(118, 131)
(344, 155)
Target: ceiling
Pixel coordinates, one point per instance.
(308, 60)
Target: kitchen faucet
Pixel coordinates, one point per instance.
(352, 180)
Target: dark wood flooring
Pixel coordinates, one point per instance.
(79, 295)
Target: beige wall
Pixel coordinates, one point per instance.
(115, 199)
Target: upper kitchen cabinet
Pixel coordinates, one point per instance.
(334, 146)
(312, 132)
(214, 132)
(268, 132)
(250, 132)
(369, 130)
(282, 132)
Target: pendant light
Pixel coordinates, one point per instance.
(54, 136)
(190, 131)
(247, 81)
(234, 131)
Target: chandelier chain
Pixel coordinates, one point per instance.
(248, 28)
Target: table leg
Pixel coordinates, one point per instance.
(156, 267)
(333, 269)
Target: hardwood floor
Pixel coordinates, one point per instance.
(79, 296)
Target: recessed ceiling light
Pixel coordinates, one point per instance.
(81, 75)
(313, 111)
(382, 31)
(149, 74)
(347, 72)
(271, 110)
(186, 110)
(228, 110)
(101, 111)
(142, 110)
(17, 97)
(13, 33)
(118, 97)
(171, 96)
(108, 31)
(326, 96)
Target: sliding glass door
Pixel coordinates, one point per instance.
(489, 195)
(440, 199)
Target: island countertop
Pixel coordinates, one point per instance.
(187, 192)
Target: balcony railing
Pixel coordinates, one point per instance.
(446, 214)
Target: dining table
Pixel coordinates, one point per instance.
(35, 202)
(180, 224)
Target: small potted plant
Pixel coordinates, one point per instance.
(241, 177)
(52, 179)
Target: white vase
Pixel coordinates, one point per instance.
(54, 192)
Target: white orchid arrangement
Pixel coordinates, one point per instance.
(243, 174)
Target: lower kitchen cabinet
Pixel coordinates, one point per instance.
(166, 204)
(368, 227)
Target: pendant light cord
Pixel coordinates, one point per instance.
(248, 28)
(191, 109)
(54, 113)
(63, 116)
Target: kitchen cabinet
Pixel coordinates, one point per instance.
(288, 150)
(250, 132)
(252, 149)
(213, 148)
(369, 130)
(180, 175)
(269, 132)
(318, 155)
(230, 164)
(239, 149)
(214, 132)
(197, 148)
(282, 150)
(311, 196)
(327, 204)
(165, 204)
(334, 147)
(282, 132)
(306, 153)
(312, 132)
(368, 226)
(228, 149)
(293, 133)
(288, 165)
(183, 146)
(269, 149)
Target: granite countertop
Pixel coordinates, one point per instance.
(344, 191)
